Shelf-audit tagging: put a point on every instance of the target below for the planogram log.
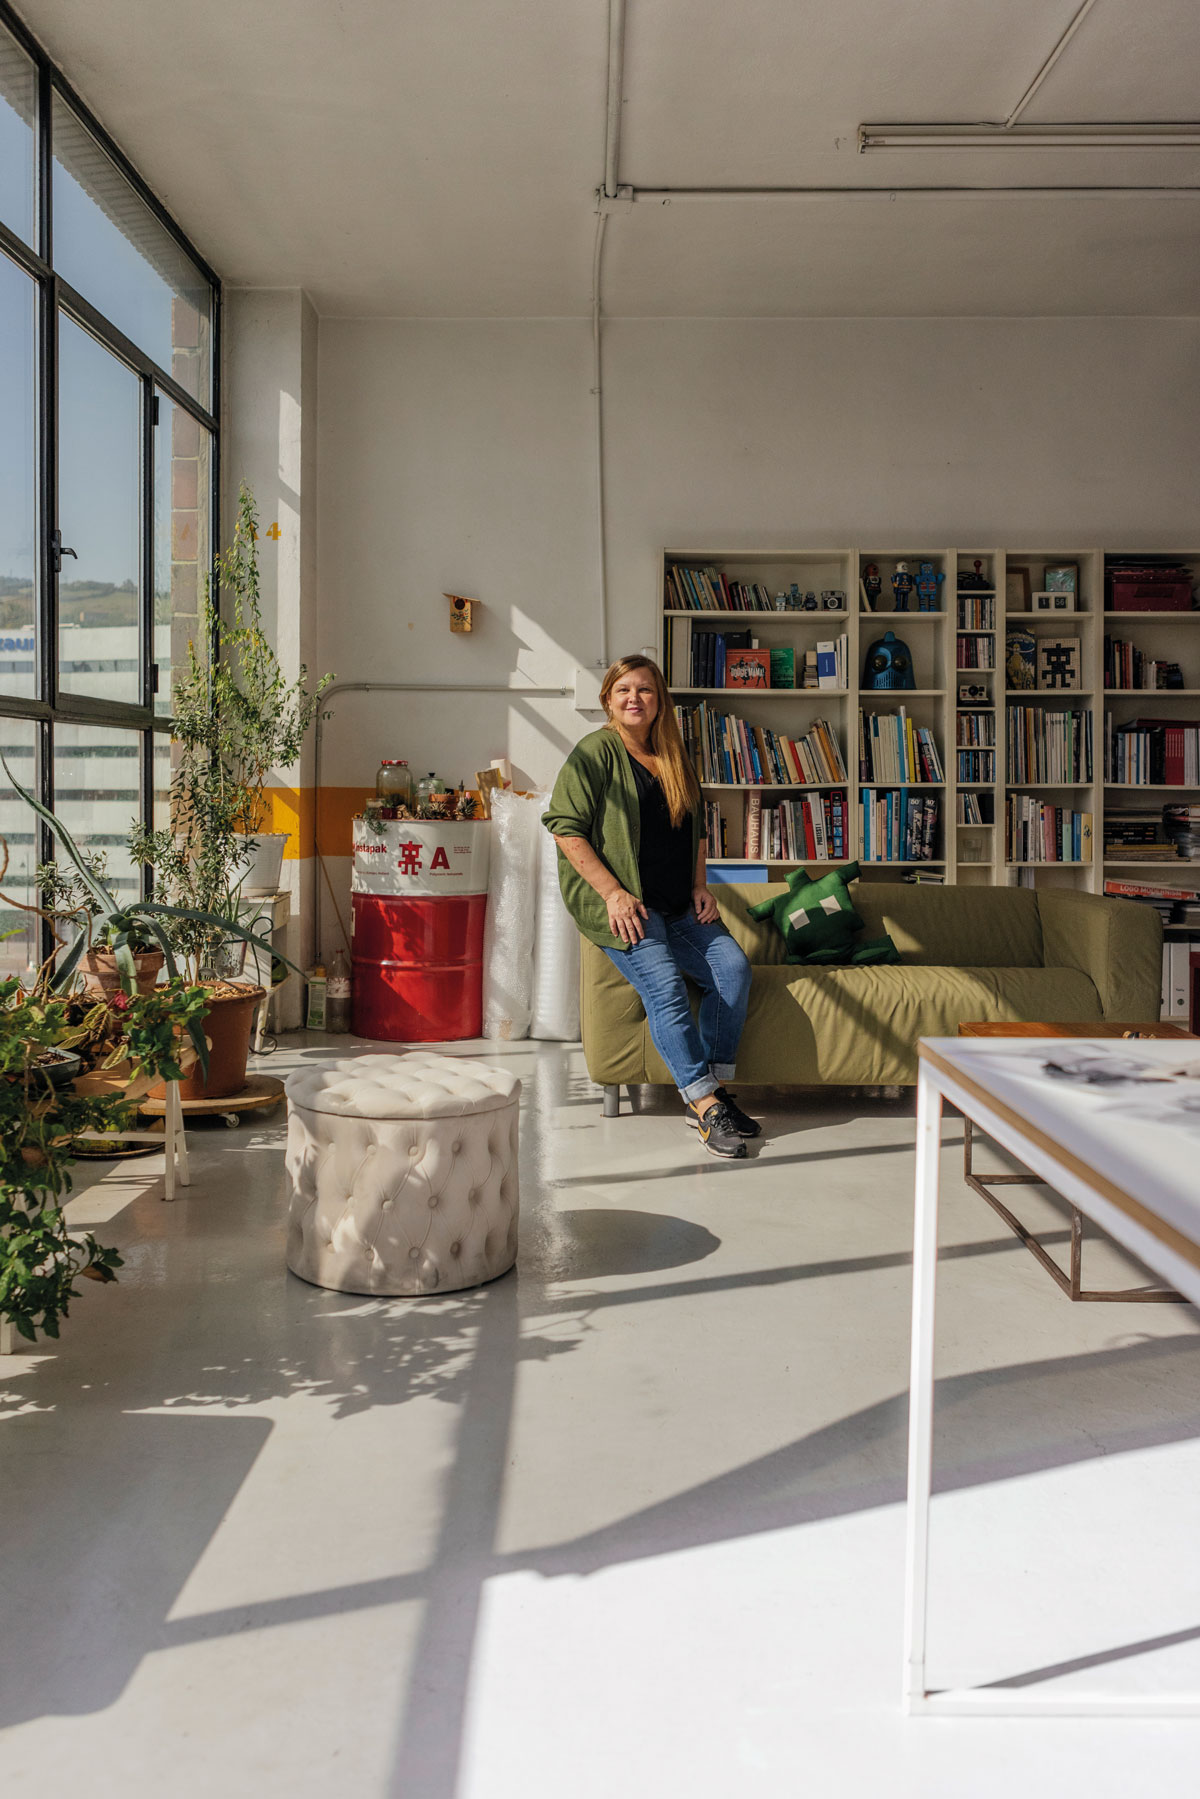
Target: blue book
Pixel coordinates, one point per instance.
(721, 874)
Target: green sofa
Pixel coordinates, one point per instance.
(967, 953)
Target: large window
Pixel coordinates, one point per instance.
(108, 472)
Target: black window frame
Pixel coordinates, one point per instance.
(56, 298)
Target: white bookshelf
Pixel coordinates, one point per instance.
(971, 852)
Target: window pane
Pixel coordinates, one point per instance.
(160, 799)
(97, 795)
(182, 553)
(18, 479)
(99, 505)
(19, 941)
(18, 110)
(109, 245)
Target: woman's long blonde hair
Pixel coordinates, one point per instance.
(675, 772)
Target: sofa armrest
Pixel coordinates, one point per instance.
(1116, 943)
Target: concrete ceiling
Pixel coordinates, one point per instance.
(440, 159)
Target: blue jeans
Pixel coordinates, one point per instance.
(699, 1053)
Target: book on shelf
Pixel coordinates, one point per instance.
(976, 612)
(812, 829)
(1152, 752)
(753, 816)
(1127, 670)
(715, 831)
(692, 588)
(730, 750)
(976, 808)
(747, 668)
(1020, 659)
(973, 651)
(1048, 746)
(897, 826)
(722, 874)
(783, 666)
(1036, 831)
(892, 748)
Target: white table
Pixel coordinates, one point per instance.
(1127, 1155)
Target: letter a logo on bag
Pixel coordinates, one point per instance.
(440, 859)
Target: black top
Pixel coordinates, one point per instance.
(665, 854)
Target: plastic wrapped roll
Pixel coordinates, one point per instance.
(555, 956)
(511, 914)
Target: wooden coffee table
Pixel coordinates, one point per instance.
(1071, 1278)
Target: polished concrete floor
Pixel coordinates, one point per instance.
(628, 1522)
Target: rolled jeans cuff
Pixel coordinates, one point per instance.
(700, 1089)
(722, 1072)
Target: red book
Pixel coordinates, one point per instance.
(747, 668)
(810, 841)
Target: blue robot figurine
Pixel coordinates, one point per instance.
(928, 584)
(902, 586)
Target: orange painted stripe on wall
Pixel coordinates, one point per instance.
(335, 810)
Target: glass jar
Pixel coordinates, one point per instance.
(428, 787)
(394, 783)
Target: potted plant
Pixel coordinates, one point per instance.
(175, 928)
(68, 897)
(258, 719)
(41, 1116)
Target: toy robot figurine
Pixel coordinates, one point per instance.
(928, 584)
(872, 585)
(888, 664)
(902, 586)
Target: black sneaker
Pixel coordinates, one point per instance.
(717, 1131)
(743, 1125)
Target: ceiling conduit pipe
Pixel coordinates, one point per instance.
(608, 192)
(341, 687)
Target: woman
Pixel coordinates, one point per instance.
(625, 814)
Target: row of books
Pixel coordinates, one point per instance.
(707, 589)
(976, 612)
(1126, 667)
(897, 826)
(1037, 832)
(976, 730)
(1137, 834)
(892, 748)
(976, 809)
(976, 765)
(813, 829)
(733, 659)
(1048, 746)
(974, 652)
(728, 749)
(1152, 752)
(1176, 905)
(715, 830)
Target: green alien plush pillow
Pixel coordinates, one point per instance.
(818, 922)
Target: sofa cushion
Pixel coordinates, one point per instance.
(860, 1026)
(954, 927)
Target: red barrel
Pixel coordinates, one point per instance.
(418, 967)
(419, 901)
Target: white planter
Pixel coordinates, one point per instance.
(266, 862)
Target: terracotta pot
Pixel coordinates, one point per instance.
(101, 979)
(228, 1025)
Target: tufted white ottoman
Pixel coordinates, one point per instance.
(404, 1173)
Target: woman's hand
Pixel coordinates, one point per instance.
(705, 906)
(625, 915)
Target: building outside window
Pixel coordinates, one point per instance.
(108, 470)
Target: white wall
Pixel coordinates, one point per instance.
(460, 455)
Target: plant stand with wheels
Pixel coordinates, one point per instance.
(174, 1142)
(261, 1092)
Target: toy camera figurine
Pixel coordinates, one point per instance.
(928, 584)
(902, 586)
(888, 664)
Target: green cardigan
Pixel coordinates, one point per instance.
(595, 797)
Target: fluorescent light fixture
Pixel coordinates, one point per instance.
(1028, 137)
